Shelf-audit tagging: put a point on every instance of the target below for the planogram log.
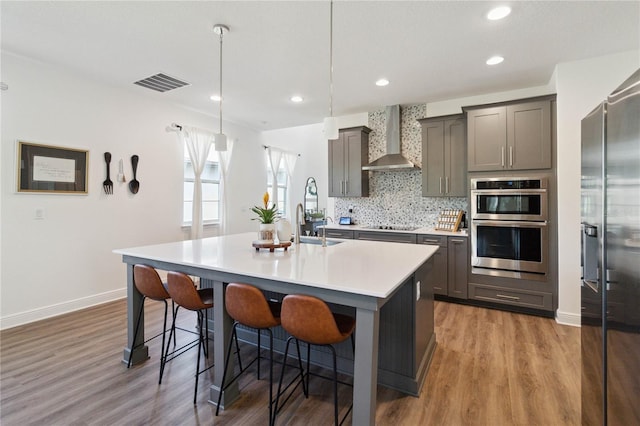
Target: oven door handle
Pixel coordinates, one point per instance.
(510, 223)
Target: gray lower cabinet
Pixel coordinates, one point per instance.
(515, 136)
(346, 234)
(510, 296)
(392, 237)
(444, 160)
(439, 270)
(347, 155)
(449, 274)
(458, 261)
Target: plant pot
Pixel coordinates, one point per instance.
(266, 233)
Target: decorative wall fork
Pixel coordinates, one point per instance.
(107, 185)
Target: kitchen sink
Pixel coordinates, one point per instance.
(317, 241)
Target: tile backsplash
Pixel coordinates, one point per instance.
(395, 197)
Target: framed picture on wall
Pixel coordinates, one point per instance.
(51, 169)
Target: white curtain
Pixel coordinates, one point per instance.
(225, 160)
(290, 159)
(274, 156)
(198, 143)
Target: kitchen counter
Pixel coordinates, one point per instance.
(419, 231)
(386, 286)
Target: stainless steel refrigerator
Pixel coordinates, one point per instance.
(610, 293)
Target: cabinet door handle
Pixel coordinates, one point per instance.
(504, 296)
(502, 156)
(346, 187)
(441, 184)
(446, 185)
(342, 187)
(510, 156)
(456, 240)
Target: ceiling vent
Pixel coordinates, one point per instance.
(161, 83)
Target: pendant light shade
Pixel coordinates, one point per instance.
(221, 142)
(330, 122)
(220, 138)
(331, 128)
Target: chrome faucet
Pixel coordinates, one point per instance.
(324, 231)
(299, 222)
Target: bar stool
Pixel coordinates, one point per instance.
(309, 319)
(184, 294)
(149, 284)
(247, 306)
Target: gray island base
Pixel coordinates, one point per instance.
(386, 286)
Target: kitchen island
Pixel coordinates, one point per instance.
(386, 285)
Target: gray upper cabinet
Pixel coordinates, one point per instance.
(444, 163)
(347, 155)
(510, 137)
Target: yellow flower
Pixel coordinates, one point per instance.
(265, 199)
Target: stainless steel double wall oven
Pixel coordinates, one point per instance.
(509, 227)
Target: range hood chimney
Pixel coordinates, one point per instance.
(392, 160)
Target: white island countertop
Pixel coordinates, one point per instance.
(367, 268)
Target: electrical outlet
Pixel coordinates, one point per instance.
(39, 215)
(350, 209)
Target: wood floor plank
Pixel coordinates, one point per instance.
(490, 368)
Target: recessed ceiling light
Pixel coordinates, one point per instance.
(215, 98)
(382, 82)
(296, 99)
(494, 60)
(498, 13)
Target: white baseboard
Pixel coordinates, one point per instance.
(38, 314)
(567, 318)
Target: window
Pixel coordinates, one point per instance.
(210, 188)
(281, 184)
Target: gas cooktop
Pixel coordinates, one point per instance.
(394, 227)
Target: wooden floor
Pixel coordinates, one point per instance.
(490, 368)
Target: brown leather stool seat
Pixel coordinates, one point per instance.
(184, 294)
(149, 284)
(309, 319)
(248, 306)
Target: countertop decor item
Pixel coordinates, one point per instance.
(271, 246)
(266, 214)
(134, 185)
(284, 230)
(449, 220)
(267, 217)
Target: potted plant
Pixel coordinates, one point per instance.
(267, 217)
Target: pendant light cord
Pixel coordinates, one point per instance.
(220, 104)
(331, 59)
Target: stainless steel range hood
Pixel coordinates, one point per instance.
(392, 160)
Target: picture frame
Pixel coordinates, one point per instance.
(51, 169)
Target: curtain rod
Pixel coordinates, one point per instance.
(280, 149)
(174, 128)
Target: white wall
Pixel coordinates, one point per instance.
(310, 143)
(581, 85)
(65, 261)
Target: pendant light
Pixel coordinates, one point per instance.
(330, 122)
(220, 138)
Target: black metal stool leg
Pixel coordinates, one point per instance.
(270, 374)
(259, 347)
(200, 346)
(335, 385)
(163, 358)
